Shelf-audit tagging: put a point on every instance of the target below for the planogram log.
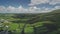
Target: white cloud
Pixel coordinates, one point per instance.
(34, 10)
(53, 2)
(2, 8)
(11, 9)
(20, 9)
(36, 2)
(57, 7)
(51, 9)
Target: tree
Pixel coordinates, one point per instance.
(33, 19)
(21, 17)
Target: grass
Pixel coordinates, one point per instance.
(28, 28)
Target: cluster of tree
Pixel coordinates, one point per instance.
(53, 17)
(54, 25)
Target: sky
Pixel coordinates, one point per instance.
(28, 6)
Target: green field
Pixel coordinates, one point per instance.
(42, 23)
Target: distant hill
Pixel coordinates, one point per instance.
(51, 16)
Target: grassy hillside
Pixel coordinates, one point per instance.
(43, 23)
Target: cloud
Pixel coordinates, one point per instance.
(36, 2)
(20, 9)
(2, 8)
(53, 2)
(57, 7)
(34, 10)
(11, 9)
